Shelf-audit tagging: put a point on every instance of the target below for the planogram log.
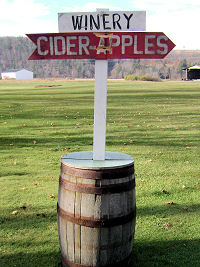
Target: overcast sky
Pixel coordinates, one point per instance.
(178, 19)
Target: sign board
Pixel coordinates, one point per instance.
(143, 45)
(102, 21)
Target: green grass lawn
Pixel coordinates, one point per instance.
(156, 123)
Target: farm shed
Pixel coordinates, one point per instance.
(17, 74)
(193, 73)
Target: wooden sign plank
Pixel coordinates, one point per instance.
(102, 21)
(143, 45)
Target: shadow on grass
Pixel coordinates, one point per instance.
(76, 139)
(35, 251)
(42, 142)
(162, 253)
(37, 259)
(14, 173)
(167, 209)
(166, 253)
(28, 217)
(26, 239)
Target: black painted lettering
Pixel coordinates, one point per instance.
(94, 23)
(77, 22)
(86, 22)
(128, 19)
(116, 19)
(105, 22)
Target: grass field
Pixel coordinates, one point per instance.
(157, 123)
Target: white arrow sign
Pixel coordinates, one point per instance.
(102, 21)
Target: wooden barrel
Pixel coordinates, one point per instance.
(96, 209)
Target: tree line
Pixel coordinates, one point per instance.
(14, 53)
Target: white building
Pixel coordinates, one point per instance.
(17, 74)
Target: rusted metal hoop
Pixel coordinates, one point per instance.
(107, 189)
(95, 223)
(74, 264)
(114, 173)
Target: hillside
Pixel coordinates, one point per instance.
(14, 53)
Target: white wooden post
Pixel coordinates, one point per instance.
(100, 104)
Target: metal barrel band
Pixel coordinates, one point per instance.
(117, 264)
(114, 173)
(115, 188)
(95, 223)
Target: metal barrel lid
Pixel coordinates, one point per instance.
(84, 160)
